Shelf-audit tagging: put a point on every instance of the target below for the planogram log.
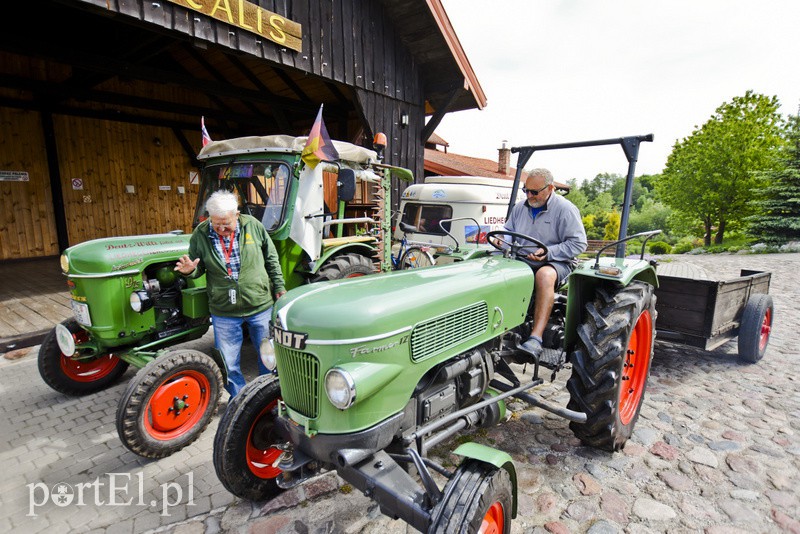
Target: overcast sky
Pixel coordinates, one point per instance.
(573, 70)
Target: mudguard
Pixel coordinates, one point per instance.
(499, 459)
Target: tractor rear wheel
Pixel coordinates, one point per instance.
(76, 377)
(345, 266)
(755, 328)
(611, 364)
(169, 403)
(244, 446)
(477, 499)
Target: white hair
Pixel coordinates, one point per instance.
(221, 203)
(548, 176)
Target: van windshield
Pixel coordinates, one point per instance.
(425, 217)
(262, 188)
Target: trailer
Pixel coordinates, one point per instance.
(709, 313)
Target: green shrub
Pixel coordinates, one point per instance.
(682, 247)
(659, 247)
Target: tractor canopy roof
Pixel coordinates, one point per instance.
(282, 143)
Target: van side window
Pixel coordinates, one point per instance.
(425, 217)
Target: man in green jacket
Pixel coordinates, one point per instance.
(242, 277)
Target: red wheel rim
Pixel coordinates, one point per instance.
(766, 327)
(87, 370)
(260, 457)
(494, 520)
(177, 405)
(634, 370)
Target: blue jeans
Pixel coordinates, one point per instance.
(228, 338)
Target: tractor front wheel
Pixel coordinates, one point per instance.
(611, 364)
(244, 446)
(344, 266)
(76, 377)
(169, 403)
(477, 499)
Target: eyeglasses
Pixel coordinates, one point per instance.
(534, 192)
(223, 225)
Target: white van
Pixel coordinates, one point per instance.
(449, 197)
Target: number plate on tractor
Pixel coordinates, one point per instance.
(81, 312)
(293, 340)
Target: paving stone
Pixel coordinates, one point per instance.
(651, 510)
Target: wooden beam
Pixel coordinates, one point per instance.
(439, 114)
(51, 148)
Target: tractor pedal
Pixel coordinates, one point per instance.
(552, 358)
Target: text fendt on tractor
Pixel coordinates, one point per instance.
(371, 374)
(129, 305)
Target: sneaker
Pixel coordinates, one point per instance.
(532, 346)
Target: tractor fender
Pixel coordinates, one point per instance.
(584, 280)
(497, 458)
(365, 249)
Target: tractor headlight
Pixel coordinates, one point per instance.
(64, 263)
(267, 353)
(65, 340)
(340, 387)
(141, 301)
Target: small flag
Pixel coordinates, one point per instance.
(319, 145)
(206, 137)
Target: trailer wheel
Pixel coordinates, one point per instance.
(76, 377)
(415, 258)
(344, 266)
(477, 499)
(169, 403)
(611, 364)
(244, 451)
(755, 328)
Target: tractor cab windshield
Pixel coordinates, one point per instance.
(262, 188)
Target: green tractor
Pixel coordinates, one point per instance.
(371, 374)
(130, 306)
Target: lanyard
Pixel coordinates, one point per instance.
(227, 253)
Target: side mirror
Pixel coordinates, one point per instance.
(346, 184)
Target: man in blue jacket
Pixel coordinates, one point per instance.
(556, 222)
(243, 276)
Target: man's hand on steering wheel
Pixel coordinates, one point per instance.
(519, 251)
(537, 255)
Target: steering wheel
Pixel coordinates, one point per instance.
(515, 247)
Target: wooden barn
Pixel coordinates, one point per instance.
(100, 100)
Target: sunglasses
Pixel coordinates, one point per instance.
(534, 192)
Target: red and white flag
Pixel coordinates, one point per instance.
(206, 137)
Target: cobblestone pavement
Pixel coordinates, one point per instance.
(716, 450)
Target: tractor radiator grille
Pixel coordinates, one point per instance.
(299, 376)
(431, 337)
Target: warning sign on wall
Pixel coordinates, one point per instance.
(13, 176)
(77, 184)
(194, 177)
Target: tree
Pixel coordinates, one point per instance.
(779, 201)
(710, 175)
(611, 230)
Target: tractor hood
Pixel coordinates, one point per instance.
(120, 254)
(474, 299)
